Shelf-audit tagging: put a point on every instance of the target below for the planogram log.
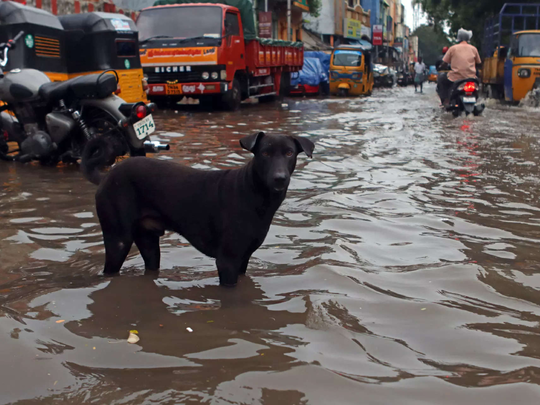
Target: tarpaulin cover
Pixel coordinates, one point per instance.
(312, 73)
(245, 7)
(323, 57)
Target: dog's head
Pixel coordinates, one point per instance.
(275, 157)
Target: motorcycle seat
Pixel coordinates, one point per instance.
(89, 86)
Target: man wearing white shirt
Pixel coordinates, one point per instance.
(419, 68)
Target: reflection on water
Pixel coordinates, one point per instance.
(401, 269)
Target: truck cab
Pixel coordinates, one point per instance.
(210, 51)
(190, 51)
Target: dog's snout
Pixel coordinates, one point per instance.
(280, 178)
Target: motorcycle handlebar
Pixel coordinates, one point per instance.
(18, 36)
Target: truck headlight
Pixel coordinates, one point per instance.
(205, 75)
(215, 75)
(223, 75)
(524, 72)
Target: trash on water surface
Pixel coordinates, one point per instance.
(189, 329)
(133, 338)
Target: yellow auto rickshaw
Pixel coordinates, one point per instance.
(511, 67)
(97, 42)
(74, 45)
(351, 71)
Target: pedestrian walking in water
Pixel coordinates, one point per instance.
(419, 68)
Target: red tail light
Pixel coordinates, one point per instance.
(141, 111)
(470, 87)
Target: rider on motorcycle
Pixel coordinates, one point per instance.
(439, 61)
(464, 60)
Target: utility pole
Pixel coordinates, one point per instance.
(288, 20)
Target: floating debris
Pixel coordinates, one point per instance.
(133, 336)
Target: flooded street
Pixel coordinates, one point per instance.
(401, 269)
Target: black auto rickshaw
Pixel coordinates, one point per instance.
(97, 42)
(42, 46)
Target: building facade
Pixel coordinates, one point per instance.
(340, 22)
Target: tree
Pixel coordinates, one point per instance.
(467, 14)
(430, 43)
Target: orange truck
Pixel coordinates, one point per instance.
(210, 51)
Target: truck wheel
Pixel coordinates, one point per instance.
(285, 85)
(231, 99)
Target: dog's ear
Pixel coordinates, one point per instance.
(249, 142)
(304, 145)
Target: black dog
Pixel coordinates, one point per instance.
(225, 214)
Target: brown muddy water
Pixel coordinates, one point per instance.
(403, 268)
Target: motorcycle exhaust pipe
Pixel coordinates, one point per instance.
(155, 146)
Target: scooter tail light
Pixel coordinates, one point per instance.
(470, 87)
(141, 111)
(118, 90)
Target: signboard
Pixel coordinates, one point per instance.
(302, 4)
(174, 59)
(265, 24)
(366, 31)
(377, 35)
(352, 28)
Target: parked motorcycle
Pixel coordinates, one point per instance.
(384, 76)
(464, 98)
(404, 78)
(52, 122)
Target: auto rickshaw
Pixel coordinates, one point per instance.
(97, 42)
(351, 70)
(511, 67)
(42, 46)
(432, 78)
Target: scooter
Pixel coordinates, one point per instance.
(464, 98)
(52, 122)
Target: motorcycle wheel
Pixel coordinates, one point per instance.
(101, 123)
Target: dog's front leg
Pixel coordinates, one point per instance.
(229, 267)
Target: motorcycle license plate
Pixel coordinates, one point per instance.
(469, 100)
(144, 127)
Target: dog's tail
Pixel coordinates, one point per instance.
(98, 153)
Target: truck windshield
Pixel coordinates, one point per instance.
(180, 22)
(347, 58)
(529, 45)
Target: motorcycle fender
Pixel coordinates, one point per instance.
(344, 86)
(111, 105)
(12, 127)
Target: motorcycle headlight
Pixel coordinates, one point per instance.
(223, 75)
(215, 75)
(205, 75)
(524, 72)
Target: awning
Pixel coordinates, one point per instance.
(313, 43)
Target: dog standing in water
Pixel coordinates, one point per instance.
(225, 214)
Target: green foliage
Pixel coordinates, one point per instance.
(467, 14)
(430, 42)
(315, 7)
